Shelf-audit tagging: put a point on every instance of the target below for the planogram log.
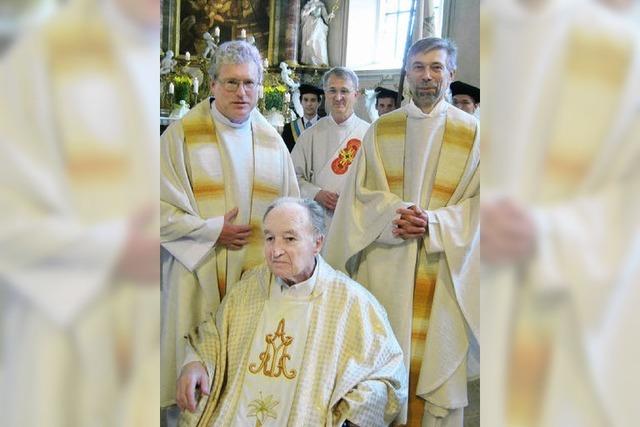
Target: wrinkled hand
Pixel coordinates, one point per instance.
(412, 224)
(193, 376)
(233, 236)
(507, 232)
(139, 258)
(328, 199)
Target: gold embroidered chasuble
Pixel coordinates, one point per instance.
(435, 275)
(351, 366)
(198, 187)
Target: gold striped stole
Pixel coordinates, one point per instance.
(206, 169)
(203, 155)
(454, 154)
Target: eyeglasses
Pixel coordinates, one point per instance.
(343, 91)
(232, 85)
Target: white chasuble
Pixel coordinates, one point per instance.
(324, 153)
(323, 156)
(402, 163)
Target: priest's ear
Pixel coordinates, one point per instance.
(316, 218)
(452, 75)
(319, 242)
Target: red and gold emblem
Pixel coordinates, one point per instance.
(340, 164)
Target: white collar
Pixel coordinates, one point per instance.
(312, 120)
(221, 118)
(346, 123)
(439, 109)
(299, 290)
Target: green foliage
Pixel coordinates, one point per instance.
(274, 97)
(182, 86)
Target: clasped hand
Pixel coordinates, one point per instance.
(328, 199)
(412, 223)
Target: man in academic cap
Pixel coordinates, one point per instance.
(310, 100)
(385, 100)
(465, 96)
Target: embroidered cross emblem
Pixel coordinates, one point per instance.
(346, 156)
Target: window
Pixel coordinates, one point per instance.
(378, 31)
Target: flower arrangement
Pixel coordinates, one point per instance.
(182, 85)
(274, 97)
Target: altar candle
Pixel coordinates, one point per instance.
(196, 83)
(187, 56)
(216, 31)
(243, 33)
(171, 88)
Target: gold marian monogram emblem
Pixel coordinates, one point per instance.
(274, 358)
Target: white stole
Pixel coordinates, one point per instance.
(272, 371)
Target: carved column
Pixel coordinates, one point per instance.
(291, 33)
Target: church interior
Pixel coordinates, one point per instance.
(368, 37)
(87, 84)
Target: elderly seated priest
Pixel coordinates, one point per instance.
(294, 342)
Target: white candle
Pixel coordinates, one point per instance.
(287, 97)
(187, 56)
(265, 63)
(196, 83)
(243, 33)
(216, 31)
(171, 88)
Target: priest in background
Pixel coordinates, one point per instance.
(295, 342)
(310, 98)
(221, 166)
(323, 155)
(406, 227)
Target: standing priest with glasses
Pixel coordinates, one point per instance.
(221, 166)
